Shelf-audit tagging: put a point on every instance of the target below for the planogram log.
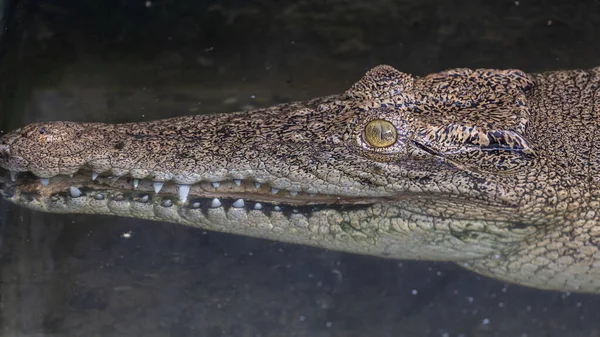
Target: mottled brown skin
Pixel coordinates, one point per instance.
(493, 169)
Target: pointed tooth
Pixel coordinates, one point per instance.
(136, 183)
(45, 181)
(277, 209)
(196, 205)
(99, 196)
(167, 203)
(215, 184)
(257, 185)
(215, 203)
(274, 190)
(183, 191)
(158, 186)
(238, 182)
(13, 176)
(258, 205)
(144, 198)
(74, 192)
(94, 176)
(293, 193)
(238, 203)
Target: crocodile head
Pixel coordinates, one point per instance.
(462, 165)
(454, 134)
(443, 152)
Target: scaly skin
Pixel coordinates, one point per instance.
(496, 170)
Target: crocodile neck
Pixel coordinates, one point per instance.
(566, 119)
(495, 169)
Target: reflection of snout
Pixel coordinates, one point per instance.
(4, 154)
(7, 188)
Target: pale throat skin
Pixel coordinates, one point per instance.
(496, 170)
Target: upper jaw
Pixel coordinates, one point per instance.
(96, 153)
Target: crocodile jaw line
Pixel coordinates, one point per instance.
(238, 189)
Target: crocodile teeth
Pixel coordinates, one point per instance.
(94, 176)
(145, 198)
(238, 203)
(277, 209)
(257, 185)
(158, 187)
(293, 193)
(99, 197)
(167, 203)
(45, 181)
(258, 205)
(215, 203)
(136, 183)
(215, 184)
(183, 191)
(75, 192)
(274, 190)
(13, 176)
(238, 182)
(196, 205)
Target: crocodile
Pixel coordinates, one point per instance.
(496, 170)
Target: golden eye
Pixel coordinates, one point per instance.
(380, 133)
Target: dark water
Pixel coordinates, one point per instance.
(136, 60)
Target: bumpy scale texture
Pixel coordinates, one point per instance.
(493, 169)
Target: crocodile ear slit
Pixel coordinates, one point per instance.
(481, 150)
(506, 151)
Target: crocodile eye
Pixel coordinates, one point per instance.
(380, 133)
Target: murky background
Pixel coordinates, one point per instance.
(115, 61)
